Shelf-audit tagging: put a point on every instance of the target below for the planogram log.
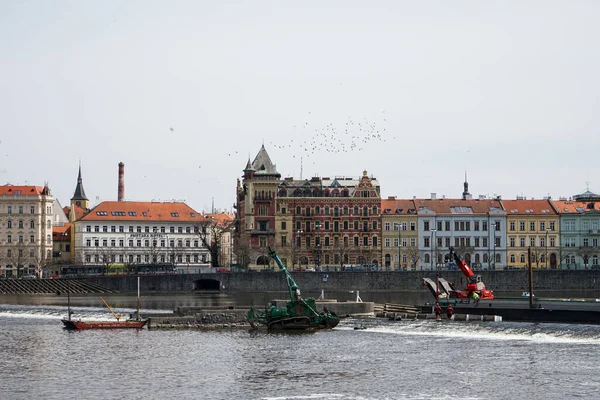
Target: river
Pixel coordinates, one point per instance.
(386, 360)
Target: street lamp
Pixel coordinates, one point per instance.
(494, 237)
(432, 232)
(547, 231)
(299, 246)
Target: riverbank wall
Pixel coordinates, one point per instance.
(585, 282)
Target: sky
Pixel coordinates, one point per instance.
(415, 93)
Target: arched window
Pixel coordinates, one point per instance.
(374, 211)
(336, 211)
(498, 257)
(365, 211)
(317, 210)
(513, 258)
(485, 257)
(355, 210)
(326, 210)
(426, 258)
(522, 258)
(477, 258)
(345, 210)
(49, 239)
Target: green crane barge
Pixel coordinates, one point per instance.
(298, 314)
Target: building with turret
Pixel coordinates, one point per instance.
(325, 222)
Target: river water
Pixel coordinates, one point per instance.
(386, 360)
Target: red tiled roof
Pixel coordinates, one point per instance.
(398, 206)
(9, 189)
(222, 219)
(143, 211)
(571, 206)
(57, 232)
(79, 211)
(445, 206)
(528, 207)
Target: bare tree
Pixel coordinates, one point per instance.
(242, 249)
(341, 250)
(414, 255)
(586, 253)
(211, 236)
(18, 257)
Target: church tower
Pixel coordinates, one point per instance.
(466, 195)
(79, 198)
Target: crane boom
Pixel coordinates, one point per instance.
(464, 267)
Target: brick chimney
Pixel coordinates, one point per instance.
(121, 194)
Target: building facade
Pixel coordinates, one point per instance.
(474, 227)
(579, 221)
(317, 222)
(26, 214)
(400, 236)
(122, 234)
(532, 225)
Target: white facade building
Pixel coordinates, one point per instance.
(475, 228)
(26, 214)
(122, 235)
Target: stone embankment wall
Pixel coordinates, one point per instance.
(584, 281)
(200, 319)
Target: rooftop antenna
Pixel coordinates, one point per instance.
(300, 168)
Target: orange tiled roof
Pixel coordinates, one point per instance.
(57, 232)
(79, 211)
(450, 206)
(222, 219)
(143, 211)
(571, 206)
(528, 207)
(398, 207)
(9, 189)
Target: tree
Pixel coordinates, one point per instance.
(17, 257)
(341, 251)
(414, 255)
(586, 253)
(242, 249)
(211, 236)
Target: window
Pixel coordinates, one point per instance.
(532, 226)
(97, 228)
(31, 239)
(113, 228)
(542, 226)
(522, 258)
(387, 242)
(139, 243)
(113, 242)
(20, 209)
(522, 242)
(88, 242)
(104, 228)
(96, 242)
(9, 210)
(552, 225)
(32, 210)
(386, 226)
(532, 242)
(130, 243)
(21, 224)
(9, 224)
(413, 226)
(440, 225)
(138, 228)
(426, 225)
(88, 228)
(121, 242)
(426, 241)
(512, 242)
(196, 243)
(521, 225)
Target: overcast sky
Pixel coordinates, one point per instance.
(414, 92)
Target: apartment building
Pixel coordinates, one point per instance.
(26, 214)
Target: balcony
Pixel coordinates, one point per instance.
(594, 231)
(262, 232)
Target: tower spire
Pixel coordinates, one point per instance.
(466, 195)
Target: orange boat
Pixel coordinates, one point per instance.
(131, 323)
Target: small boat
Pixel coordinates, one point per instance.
(135, 322)
(298, 314)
